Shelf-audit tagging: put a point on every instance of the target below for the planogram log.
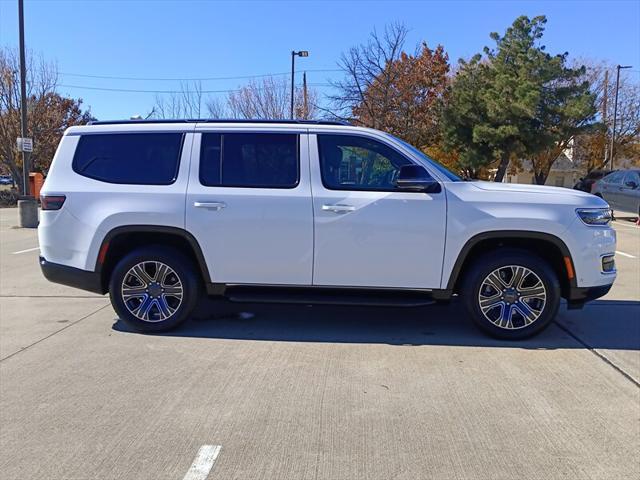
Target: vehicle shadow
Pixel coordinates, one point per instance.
(606, 324)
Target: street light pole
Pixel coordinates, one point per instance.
(23, 100)
(615, 115)
(294, 54)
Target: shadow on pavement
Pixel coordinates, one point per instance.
(606, 324)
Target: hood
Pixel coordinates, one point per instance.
(517, 192)
(524, 188)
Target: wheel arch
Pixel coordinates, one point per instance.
(550, 247)
(121, 240)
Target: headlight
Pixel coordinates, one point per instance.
(594, 216)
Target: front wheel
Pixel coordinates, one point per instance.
(154, 289)
(511, 294)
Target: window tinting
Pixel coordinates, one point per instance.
(210, 155)
(267, 160)
(358, 163)
(131, 158)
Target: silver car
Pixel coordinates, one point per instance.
(621, 190)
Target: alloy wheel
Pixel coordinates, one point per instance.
(512, 297)
(152, 291)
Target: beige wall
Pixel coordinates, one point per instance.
(556, 179)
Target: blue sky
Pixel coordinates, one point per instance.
(187, 39)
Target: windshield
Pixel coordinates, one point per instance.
(434, 163)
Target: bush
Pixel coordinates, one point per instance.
(8, 198)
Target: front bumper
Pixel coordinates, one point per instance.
(578, 296)
(72, 277)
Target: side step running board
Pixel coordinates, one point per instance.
(324, 296)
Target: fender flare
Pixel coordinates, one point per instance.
(176, 231)
(507, 234)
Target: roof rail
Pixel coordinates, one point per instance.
(207, 120)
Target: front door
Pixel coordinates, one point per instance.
(629, 196)
(367, 232)
(249, 206)
(611, 185)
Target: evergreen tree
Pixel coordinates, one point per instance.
(515, 101)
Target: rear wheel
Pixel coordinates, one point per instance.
(511, 294)
(154, 289)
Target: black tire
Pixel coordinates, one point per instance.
(502, 261)
(188, 285)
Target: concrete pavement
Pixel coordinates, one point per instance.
(313, 392)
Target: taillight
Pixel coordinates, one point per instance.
(52, 202)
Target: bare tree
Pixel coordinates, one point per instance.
(49, 113)
(595, 146)
(367, 69)
(188, 102)
(270, 98)
(216, 108)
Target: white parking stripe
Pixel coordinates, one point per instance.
(625, 254)
(25, 251)
(630, 225)
(203, 462)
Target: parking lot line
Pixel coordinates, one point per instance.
(628, 255)
(631, 225)
(203, 462)
(25, 251)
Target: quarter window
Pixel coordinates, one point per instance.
(262, 160)
(129, 158)
(358, 163)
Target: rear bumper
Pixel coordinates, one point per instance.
(72, 277)
(578, 296)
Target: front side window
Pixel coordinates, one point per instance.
(358, 163)
(615, 177)
(129, 158)
(632, 177)
(256, 160)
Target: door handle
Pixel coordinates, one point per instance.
(338, 208)
(210, 205)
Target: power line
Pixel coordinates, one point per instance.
(131, 90)
(240, 77)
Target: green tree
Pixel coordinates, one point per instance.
(516, 101)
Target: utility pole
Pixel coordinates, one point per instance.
(294, 54)
(605, 97)
(305, 98)
(27, 205)
(23, 101)
(615, 114)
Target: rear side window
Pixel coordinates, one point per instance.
(130, 158)
(258, 160)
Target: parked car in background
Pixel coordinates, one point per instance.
(586, 183)
(621, 190)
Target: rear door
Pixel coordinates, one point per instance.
(367, 232)
(249, 205)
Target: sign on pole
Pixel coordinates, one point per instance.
(25, 144)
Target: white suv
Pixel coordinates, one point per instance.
(312, 212)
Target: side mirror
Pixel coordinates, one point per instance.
(631, 184)
(416, 178)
